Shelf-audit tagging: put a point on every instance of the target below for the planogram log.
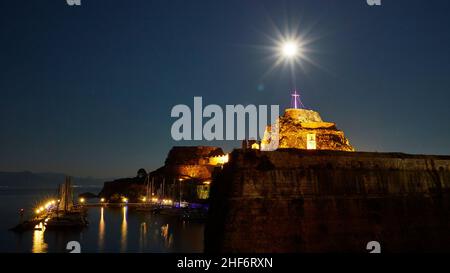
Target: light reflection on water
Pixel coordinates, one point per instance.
(143, 237)
(101, 231)
(39, 245)
(111, 231)
(124, 231)
(166, 235)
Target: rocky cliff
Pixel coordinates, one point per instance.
(305, 129)
(329, 201)
(190, 163)
(132, 188)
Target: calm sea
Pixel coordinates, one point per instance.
(110, 229)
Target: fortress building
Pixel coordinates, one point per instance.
(304, 129)
(332, 200)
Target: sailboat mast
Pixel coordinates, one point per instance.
(151, 187)
(147, 182)
(164, 180)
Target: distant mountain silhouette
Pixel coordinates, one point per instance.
(28, 179)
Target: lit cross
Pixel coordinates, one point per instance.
(295, 100)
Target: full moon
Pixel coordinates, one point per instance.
(290, 49)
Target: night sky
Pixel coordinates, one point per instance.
(88, 90)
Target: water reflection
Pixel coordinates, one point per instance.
(128, 230)
(168, 238)
(39, 245)
(186, 237)
(101, 231)
(124, 230)
(143, 236)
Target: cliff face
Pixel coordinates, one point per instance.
(132, 188)
(320, 201)
(190, 155)
(305, 129)
(190, 163)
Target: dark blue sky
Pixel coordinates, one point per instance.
(88, 90)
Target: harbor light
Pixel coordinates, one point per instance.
(82, 200)
(154, 200)
(38, 211)
(125, 200)
(102, 200)
(144, 199)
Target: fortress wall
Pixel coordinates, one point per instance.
(320, 201)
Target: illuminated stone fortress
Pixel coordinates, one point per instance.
(304, 129)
